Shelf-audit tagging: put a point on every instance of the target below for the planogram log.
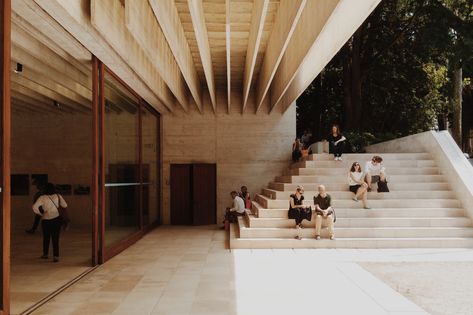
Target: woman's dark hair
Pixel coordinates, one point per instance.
(377, 158)
(49, 189)
(352, 169)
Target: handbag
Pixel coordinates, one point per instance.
(306, 213)
(383, 186)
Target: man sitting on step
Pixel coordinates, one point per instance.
(324, 212)
(375, 171)
(238, 208)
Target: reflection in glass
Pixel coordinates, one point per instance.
(150, 166)
(122, 187)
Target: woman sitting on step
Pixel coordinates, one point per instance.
(297, 210)
(357, 184)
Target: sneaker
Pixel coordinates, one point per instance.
(354, 199)
(56, 259)
(332, 238)
(339, 158)
(297, 237)
(317, 237)
(335, 158)
(367, 207)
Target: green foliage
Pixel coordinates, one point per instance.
(409, 49)
(357, 140)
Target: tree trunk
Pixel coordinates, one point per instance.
(457, 105)
(348, 105)
(356, 79)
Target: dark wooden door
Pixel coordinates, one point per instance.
(204, 193)
(181, 194)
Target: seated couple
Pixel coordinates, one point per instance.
(360, 182)
(241, 203)
(324, 212)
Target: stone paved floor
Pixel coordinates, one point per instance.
(442, 288)
(32, 278)
(188, 270)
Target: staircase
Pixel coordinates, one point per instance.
(419, 211)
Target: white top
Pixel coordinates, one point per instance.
(238, 205)
(374, 170)
(357, 176)
(49, 203)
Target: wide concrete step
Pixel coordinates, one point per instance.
(368, 232)
(344, 171)
(287, 243)
(343, 186)
(367, 222)
(446, 194)
(347, 162)
(367, 156)
(307, 179)
(268, 203)
(372, 213)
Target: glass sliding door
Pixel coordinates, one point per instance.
(121, 162)
(150, 165)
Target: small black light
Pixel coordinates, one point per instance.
(19, 68)
(56, 104)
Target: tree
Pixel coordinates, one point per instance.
(395, 76)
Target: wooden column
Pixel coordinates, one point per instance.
(5, 28)
(101, 158)
(95, 159)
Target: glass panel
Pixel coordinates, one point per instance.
(150, 166)
(122, 182)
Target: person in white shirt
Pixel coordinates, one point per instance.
(357, 184)
(238, 208)
(375, 171)
(47, 206)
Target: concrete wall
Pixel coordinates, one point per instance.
(448, 156)
(57, 145)
(249, 149)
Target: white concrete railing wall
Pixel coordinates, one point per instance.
(448, 156)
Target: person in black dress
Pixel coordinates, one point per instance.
(296, 150)
(336, 143)
(297, 210)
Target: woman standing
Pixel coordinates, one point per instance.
(297, 210)
(296, 150)
(47, 206)
(336, 143)
(357, 184)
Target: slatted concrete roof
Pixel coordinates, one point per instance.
(184, 54)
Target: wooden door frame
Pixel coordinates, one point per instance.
(5, 33)
(97, 145)
(105, 253)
